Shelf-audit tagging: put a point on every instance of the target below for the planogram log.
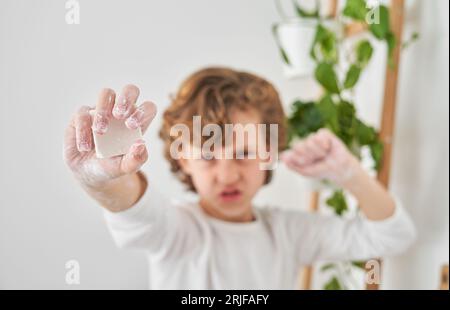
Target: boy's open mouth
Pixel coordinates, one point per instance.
(230, 195)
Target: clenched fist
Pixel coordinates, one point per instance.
(79, 148)
(323, 156)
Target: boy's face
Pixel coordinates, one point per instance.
(227, 186)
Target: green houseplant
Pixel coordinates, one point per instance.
(338, 73)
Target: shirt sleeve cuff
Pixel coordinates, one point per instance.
(400, 219)
(148, 207)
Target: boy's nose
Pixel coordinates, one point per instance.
(227, 171)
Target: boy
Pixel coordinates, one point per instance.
(222, 241)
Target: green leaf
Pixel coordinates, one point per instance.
(283, 54)
(327, 267)
(333, 284)
(337, 202)
(305, 14)
(360, 264)
(364, 52)
(356, 9)
(275, 32)
(305, 119)
(376, 150)
(352, 76)
(392, 43)
(347, 122)
(326, 76)
(381, 28)
(324, 47)
(328, 110)
(365, 135)
(414, 37)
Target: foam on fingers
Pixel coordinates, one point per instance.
(117, 140)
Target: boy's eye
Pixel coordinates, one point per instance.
(207, 157)
(245, 155)
(242, 155)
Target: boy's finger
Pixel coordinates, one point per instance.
(316, 170)
(290, 157)
(292, 164)
(135, 158)
(315, 148)
(302, 152)
(329, 138)
(325, 132)
(83, 131)
(125, 104)
(70, 143)
(313, 151)
(323, 140)
(142, 116)
(103, 110)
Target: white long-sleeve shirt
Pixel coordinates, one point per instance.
(187, 249)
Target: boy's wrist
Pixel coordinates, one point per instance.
(143, 184)
(120, 193)
(102, 186)
(357, 180)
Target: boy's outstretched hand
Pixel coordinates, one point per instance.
(109, 178)
(322, 155)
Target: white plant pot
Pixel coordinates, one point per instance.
(296, 37)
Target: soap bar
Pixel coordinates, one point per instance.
(117, 140)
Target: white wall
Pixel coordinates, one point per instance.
(49, 68)
(421, 155)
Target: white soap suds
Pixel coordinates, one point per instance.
(92, 173)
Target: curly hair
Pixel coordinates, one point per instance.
(213, 93)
